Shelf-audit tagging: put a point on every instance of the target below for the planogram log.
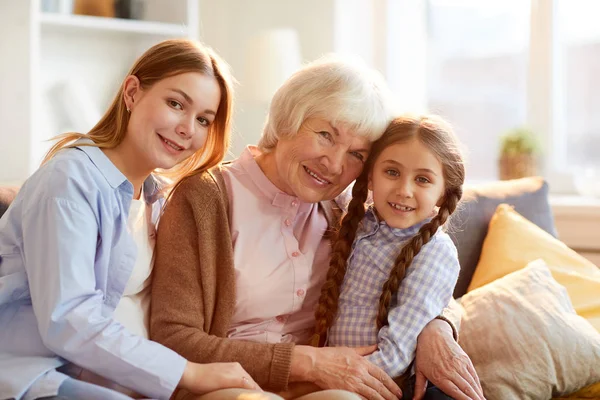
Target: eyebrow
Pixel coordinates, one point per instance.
(337, 133)
(419, 169)
(189, 99)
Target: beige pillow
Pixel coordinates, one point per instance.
(524, 338)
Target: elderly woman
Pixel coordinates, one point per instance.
(242, 252)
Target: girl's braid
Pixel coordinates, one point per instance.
(411, 249)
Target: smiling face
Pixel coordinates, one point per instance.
(170, 120)
(407, 182)
(317, 163)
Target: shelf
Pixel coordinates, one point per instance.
(69, 23)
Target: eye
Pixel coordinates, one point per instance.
(203, 121)
(326, 135)
(175, 104)
(358, 155)
(392, 172)
(422, 179)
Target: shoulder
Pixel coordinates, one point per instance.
(198, 186)
(439, 253)
(442, 241)
(199, 194)
(69, 176)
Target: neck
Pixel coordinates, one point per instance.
(268, 165)
(125, 160)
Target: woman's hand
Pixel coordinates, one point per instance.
(206, 378)
(343, 368)
(441, 360)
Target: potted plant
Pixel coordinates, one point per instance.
(519, 150)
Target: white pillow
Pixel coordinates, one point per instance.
(524, 338)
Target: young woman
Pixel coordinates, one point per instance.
(77, 242)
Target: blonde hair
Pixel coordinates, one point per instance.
(438, 136)
(163, 60)
(339, 89)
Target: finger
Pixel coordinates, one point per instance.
(467, 381)
(365, 351)
(369, 393)
(379, 386)
(389, 384)
(249, 383)
(450, 389)
(420, 386)
(475, 379)
(467, 388)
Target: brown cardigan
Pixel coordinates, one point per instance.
(193, 287)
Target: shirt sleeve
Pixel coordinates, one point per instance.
(60, 237)
(426, 289)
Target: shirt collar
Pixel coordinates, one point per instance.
(372, 223)
(277, 197)
(114, 177)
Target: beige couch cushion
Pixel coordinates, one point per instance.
(525, 339)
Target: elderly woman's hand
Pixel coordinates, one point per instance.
(343, 368)
(441, 360)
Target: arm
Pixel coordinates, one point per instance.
(60, 237)
(193, 288)
(441, 360)
(425, 290)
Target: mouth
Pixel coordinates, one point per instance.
(318, 178)
(401, 207)
(170, 144)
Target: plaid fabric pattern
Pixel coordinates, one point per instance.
(425, 291)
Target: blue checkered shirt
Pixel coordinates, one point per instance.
(425, 291)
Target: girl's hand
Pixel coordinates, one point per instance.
(343, 368)
(206, 378)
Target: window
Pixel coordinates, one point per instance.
(580, 42)
(477, 73)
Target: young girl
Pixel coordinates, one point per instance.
(392, 268)
(76, 244)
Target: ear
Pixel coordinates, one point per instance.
(131, 90)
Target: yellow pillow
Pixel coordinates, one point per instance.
(512, 242)
(588, 392)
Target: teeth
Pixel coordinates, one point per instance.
(173, 145)
(315, 176)
(401, 208)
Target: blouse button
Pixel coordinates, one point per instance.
(295, 203)
(287, 222)
(280, 318)
(300, 292)
(295, 254)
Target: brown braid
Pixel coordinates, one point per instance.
(342, 244)
(410, 251)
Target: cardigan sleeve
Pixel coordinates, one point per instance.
(193, 289)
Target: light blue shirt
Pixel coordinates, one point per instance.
(65, 258)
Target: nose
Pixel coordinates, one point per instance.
(334, 161)
(404, 189)
(185, 128)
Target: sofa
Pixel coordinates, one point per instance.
(468, 228)
(469, 223)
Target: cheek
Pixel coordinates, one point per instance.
(199, 140)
